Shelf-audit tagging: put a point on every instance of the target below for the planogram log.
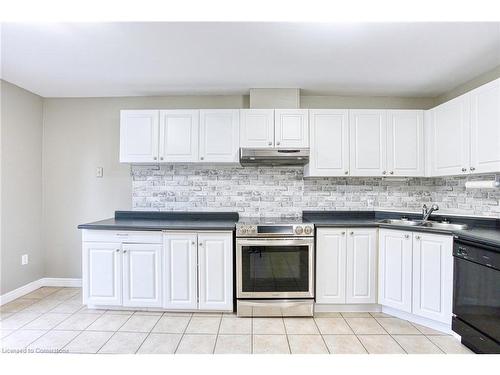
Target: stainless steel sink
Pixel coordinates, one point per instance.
(401, 222)
(448, 226)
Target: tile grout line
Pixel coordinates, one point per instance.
(217, 335)
(115, 332)
(183, 333)
(286, 335)
(149, 333)
(321, 334)
(355, 334)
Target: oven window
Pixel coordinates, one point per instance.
(476, 296)
(275, 268)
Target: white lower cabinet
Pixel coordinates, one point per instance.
(180, 270)
(361, 275)
(395, 269)
(215, 275)
(346, 265)
(433, 276)
(102, 273)
(142, 279)
(416, 273)
(199, 271)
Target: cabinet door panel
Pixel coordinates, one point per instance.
(291, 128)
(219, 135)
(257, 128)
(361, 266)
(329, 143)
(102, 273)
(139, 136)
(432, 276)
(485, 128)
(368, 139)
(180, 271)
(179, 135)
(450, 137)
(331, 265)
(395, 269)
(215, 257)
(142, 275)
(405, 143)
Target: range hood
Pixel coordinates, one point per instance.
(273, 156)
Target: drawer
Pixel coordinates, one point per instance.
(122, 236)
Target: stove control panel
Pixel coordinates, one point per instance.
(279, 230)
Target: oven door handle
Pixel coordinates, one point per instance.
(275, 241)
(281, 303)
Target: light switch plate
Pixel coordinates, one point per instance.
(24, 259)
(99, 172)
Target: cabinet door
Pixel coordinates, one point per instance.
(405, 143)
(102, 273)
(485, 128)
(368, 139)
(215, 262)
(142, 275)
(329, 143)
(257, 128)
(361, 266)
(219, 135)
(395, 269)
(179, 135)
(291, 128)
(450, 130)
(180, 271)
(139, 136)
(331, 265)
(432, 276)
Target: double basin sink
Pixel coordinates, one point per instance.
(424, 224)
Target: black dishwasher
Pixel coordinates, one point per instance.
(476, 295)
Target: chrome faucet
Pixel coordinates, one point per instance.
(427, 212)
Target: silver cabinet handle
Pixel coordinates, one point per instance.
(202, 158)
(407, 236)
(343, 233)
(391, 172)
(351, 233)
(270, 143)
(464, 169)
(124, 251)
(417, 237)
(472, 168)
(384, 172)
(200, 244)
(161, 157)
(278, 143)
(193, 243)
(154, 158)
(346, 172)
(117, 250)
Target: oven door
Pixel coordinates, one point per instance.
(275, 268)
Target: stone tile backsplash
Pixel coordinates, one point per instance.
(283, 191)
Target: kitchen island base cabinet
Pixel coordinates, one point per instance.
(346, 266)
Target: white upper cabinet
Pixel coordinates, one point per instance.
(361, 273)
(291, 128)
(331, 255)
(102, 273)
(368, 139)
(395, 269)
(257, 128)
(329, 142)
(139, 130)
(180, 270)
(219, 135)
(142, 279)
(215, 279)
(449, 127)
(485, 128)
(405, 143)
(433, 276)
(179, 131)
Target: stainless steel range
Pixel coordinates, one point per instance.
(274, 267)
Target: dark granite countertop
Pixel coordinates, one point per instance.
(147, 220)
(480, 229)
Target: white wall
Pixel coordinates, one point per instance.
(21, 186)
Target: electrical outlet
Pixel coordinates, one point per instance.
(99, 172)
(24, 259)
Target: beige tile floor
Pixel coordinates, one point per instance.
(54, 320)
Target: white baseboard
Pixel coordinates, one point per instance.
(438, 326)
(369, 307)
(34, 285)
